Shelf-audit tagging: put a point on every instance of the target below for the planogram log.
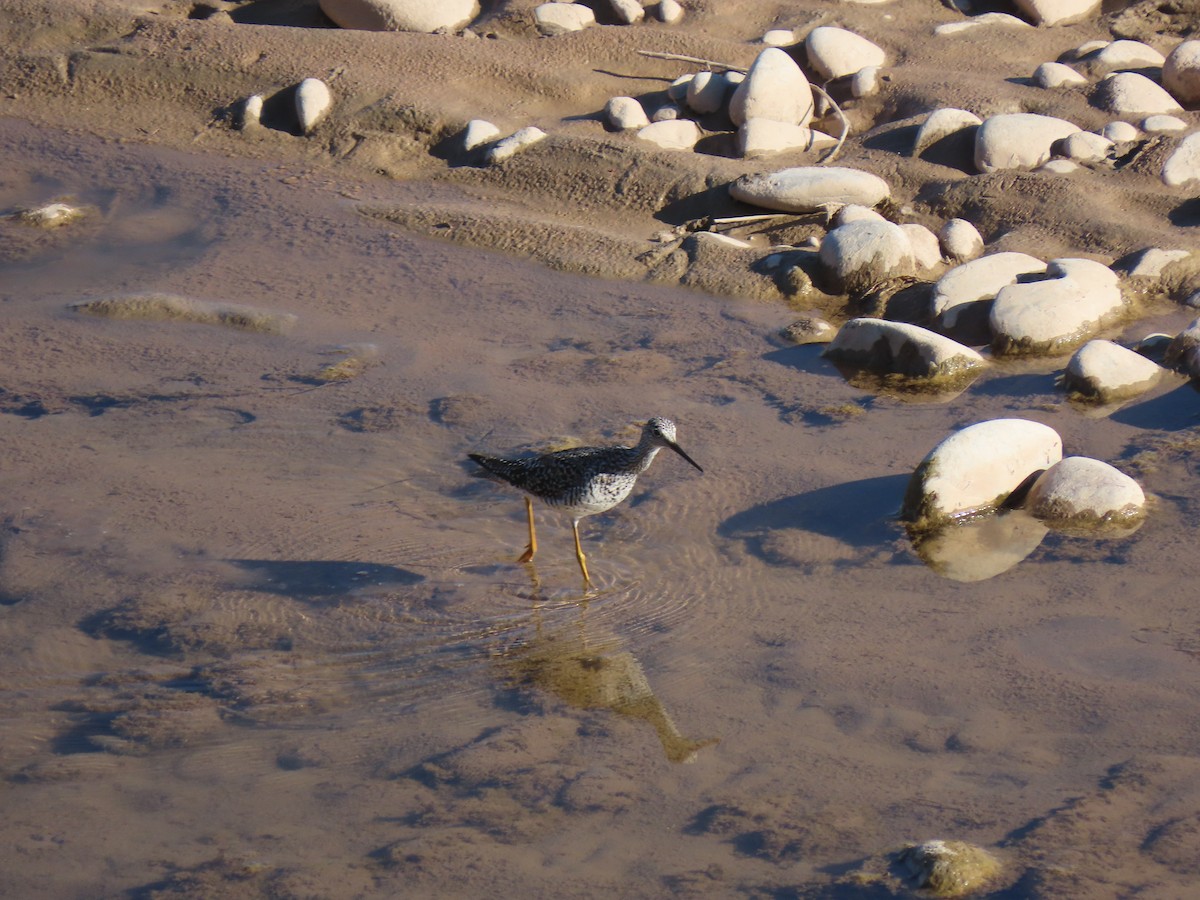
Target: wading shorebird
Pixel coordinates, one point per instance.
(582, 481)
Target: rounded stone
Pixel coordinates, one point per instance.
(926, 249)
(624, 113)
(706, 92)
(763, 137)
(779, 37)
(313, 102)
(1120, 132)
(477, 133)
(627, 12)
(401, 15)
(519, 140)
(835, 52)
(866, 82)
(775, 88)
(974, 470)
(1018, 140)
(962, 298)
(1056, 75)
(1079, 493)
(960, 241)
(1131, 94)
(671, 134)
(1057, 12)
(1107, 372)
(948, 869)
(864, 253)
(1181, 72)
(669, 12)
(1084, 146)
(1163, 124)
(897, 348)
(810, 188)
(1183, 353)
(562, 18)
(1183, 165)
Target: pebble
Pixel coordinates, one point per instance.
(897, 348)
(1183, 165)
(861, 254)
(810, 330)
(1003, 20)
(835, 52)
(1018, 140)
(1163, 124)
(926, 249)
(960, 241)
(1123, 55)
(706, 92)
(401, 15)
(1058, 167)
(1057, 12)
(668, 113)
(1181, 73)
(627, 12)
(866, 82)
(477, 133)
(562, 18)
(962, 298)
(510, 146)
(763, 137)
(775, 88)
(1078, 298)
(669, 12)
(1084, 146)
(1056, 75)
(779, 37)
(1132, 94)
(941, 123)
(625, 113)
(672, 134)
(809, 188)
(677, 90)
(313, 101)
(1120, 132)
(974, 470)
(251, 113)
(1083, 494)
(1106, 372)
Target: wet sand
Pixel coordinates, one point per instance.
(264, 635)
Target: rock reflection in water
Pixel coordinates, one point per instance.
(980, 549)
(595, 673)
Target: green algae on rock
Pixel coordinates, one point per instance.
(947, 868)
(171, 307)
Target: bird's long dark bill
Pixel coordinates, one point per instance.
(679, 450)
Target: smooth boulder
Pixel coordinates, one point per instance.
(1183, 165)
(1083, 494)
(1181, 72)
(864, 252)
(897, 348)
(401, 15)
(962, 298)
(1018, 140)
(774, 89)
(810, 188)
(1132, 94)
(1106, 372)
(835, 52)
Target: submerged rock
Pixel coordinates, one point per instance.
(52, 215)
(975, 470)
(897, 348)
(1106, 372)
(170, 307)
(981, 548)
(810, 330)
(947, 868)
(1083, 494)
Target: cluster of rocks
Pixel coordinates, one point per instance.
(563, 16)
(984, 497)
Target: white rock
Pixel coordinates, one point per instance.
(668, 113)
(677, 90)
(1084, 146)
(897, 348)
(762, 137)
(1078, 299)
(1120, 132)
(774, 88)
(1056, 75)
(866, 82)
(624, 113)
(1087, 48)
(52, 215)
(1107, 372)
(975, 470)
(1181, 72)
(401, 15)
(1058, 167)
(960, 241)
(1163, 124)
(1183, 165)
(942, 123)
(477, 133)
(562, 18)
(835, 52)
(863, 253)
(313, 101)
(1079, 492)
(810, 188)
(707, 91)
(779, 37)
(627, 12)
(1017, 140)
(252, 108)
(672, 134)
(669, 12)
(1057, 12)
(1125, 55)
(854, 212)
(1151, 262)
(962, 297)
(810, 330)
(1131, 94)
(510, 146)
(1003, 20)
(926, 251)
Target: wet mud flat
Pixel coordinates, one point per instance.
(271, 626)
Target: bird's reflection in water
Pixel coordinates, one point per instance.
(590, 671)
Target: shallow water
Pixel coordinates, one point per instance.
(273, 630)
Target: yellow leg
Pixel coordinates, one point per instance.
(579, 553)
(531, 549)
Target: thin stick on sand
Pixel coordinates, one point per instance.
(713, 64)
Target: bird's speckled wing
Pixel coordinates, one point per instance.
(554, 475)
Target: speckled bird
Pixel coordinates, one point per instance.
(582, 481)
